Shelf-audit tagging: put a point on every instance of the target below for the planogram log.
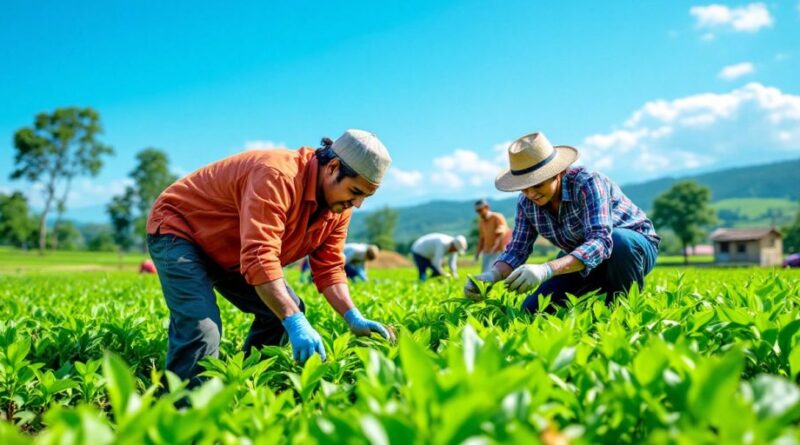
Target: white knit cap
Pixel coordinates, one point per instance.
(364, 153)
(461, 244)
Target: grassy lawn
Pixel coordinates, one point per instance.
(15, 260)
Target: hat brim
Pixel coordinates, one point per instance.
(509, 182)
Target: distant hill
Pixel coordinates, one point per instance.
(738, 194)
(774, 180)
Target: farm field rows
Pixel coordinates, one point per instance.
(700, 356)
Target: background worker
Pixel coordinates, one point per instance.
(356, 256)
(429, 251)
(493, 234)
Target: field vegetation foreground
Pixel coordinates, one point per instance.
(699, 356)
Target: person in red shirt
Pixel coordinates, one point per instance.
(234, 224)
(147, 267)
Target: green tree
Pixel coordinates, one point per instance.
(120, 209)
(58, 147)
(380, 226)
(17, 225)
(151, 176)
(102, 241)
(791, 236)
(686, 209)
(474, 235)
(68, 237)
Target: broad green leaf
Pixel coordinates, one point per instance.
(472, 345)
(794, 362)
(714, 384)
(120, 386)
(786, 336)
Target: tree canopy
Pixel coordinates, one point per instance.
(129, 211)
(686, 209)
(58, 147)
(17, 225)
(380, 226)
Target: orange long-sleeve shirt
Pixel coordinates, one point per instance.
(252, 212)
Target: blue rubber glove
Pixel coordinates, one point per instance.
(304, 339)
(361, 326)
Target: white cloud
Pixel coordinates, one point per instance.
(447, 179)
(711, 15)
(263, 145)
(501, 152)
(750, 18)
(406, 178)
(736, 71)
(751, 124)
(180, 171)
(626, 140)
(84, 192)
(462, 167)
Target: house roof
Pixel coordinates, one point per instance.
(742, 234)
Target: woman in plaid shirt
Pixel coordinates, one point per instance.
(607, 242)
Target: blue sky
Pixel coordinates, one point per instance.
(643, 89)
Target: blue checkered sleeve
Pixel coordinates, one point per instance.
(521, 245)
(597, 224)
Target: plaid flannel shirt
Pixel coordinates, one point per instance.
(591, 207)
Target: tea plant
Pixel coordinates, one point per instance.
(698, 356)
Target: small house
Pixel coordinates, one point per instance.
(762, 247)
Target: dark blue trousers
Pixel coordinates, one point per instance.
(423, 264)
(355, 272)
(633, 256)
(188, 280)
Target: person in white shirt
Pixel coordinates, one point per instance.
(356, 256)
(429, 251)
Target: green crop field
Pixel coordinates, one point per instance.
(699, 356)
(15, 261)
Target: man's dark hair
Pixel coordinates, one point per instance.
(325, 154)
(481, 203)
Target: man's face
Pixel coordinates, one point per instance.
(344, 194)
(542, 193)
(482, 211)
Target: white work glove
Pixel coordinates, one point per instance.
(528, 276)
(491, 276)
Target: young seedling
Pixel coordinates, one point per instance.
(483, 286)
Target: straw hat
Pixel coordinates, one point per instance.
(364, 153)
(532, 160)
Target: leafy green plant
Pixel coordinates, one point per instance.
(707, 356)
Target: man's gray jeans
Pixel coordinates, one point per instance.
(188, 279)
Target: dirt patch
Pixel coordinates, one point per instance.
(389, 259)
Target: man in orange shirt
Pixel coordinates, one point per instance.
(493, 234)
(233, 225)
